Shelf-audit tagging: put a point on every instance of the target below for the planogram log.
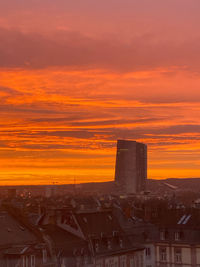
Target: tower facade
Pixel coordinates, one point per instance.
(131, 166)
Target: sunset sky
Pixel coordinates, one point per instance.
(75, 76)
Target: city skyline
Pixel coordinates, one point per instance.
(75, 76)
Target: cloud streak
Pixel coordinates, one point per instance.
(73, 49)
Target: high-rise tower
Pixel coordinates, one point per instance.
(131, 166)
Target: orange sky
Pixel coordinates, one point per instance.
(75, 78)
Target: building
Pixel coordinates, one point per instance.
(11, 192)
(90, 239)
(178, 243)
(138, 232)
(131, 166)
(19, 245)
(50, 191)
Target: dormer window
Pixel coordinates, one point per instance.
(115, 233)
(85, 219)
(177, 236)
(110, 217)
(121, 243)
(148, 252)
(96, 246)
(162, 235)
(109, 244)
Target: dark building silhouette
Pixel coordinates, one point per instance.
(131, 166)
(12, 192)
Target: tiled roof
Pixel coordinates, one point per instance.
(95, 223)
(12, 232)
(63, 240)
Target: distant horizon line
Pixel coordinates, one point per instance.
(84, 183)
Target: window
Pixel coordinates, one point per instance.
(109, 244)
(44, 255)
(137, 260)
(32, 260)
(163, 254)
(177, 255)
(122, 261)
(141, 260)
(110, 217)
(162, 235)
(111, 262)
(85, 219)
(96, 246)
(78, 262)
(132, 262)
(86, 259)
(25, 261)
(148, 253)
(99, 263)
(177, 236)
